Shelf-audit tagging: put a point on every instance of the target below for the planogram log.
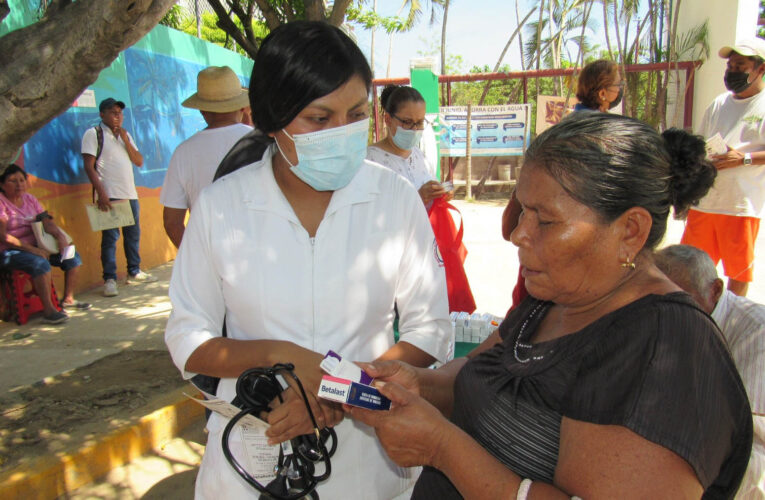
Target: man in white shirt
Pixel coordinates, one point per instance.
(726, 221)
(742, 323)
(109, 153)
(222, 101)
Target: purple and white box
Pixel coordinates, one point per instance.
(348, 383)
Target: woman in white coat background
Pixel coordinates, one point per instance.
(404, 117)
(304, 251)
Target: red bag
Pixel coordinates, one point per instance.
(453, 253)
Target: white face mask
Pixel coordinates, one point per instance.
(329, 159)
(406, 139)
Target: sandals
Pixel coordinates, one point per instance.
(80, 306)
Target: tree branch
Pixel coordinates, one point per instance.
(270, 15)
(229, 26)
(73, 46)
(314, 10)
(337, 16)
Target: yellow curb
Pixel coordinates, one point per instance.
(50, 477)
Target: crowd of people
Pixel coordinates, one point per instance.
(623, 370)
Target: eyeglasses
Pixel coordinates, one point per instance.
(621, 84)
(412, 125)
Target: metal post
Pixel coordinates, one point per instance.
(468, 163)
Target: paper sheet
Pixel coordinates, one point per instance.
(716, 145)
(119, 215)
(261, 457)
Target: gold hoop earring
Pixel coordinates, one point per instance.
(628, 264)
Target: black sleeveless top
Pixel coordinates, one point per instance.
(658, 366)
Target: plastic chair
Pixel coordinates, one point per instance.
(20, 299)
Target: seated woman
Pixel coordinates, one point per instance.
(404, 116)
(305, 250)
(608, 381)
(18, 209)
(600, 87)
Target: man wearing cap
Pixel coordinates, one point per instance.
(109, 156)
(222, 101)
(726, 221)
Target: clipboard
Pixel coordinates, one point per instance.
(119, 215)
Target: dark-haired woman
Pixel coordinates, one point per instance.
(600, 86)
(609, 381)
(18, 246)
(404, 117)
(303, 251)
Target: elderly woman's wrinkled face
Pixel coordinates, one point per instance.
(568, 254)
(14, 185)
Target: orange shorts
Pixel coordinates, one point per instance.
(725, 237)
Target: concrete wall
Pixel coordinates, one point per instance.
(728, 20)
(152, 78)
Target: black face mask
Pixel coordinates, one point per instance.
(618, 99)
(737, 81)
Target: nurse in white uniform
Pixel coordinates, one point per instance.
(404, 117)
(304, 251)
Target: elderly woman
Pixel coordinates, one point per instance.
(305, 250)
(18, 247)
(608, 381)
(600, 86)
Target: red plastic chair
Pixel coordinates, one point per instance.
(20, 299)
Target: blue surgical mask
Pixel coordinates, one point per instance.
(406, 139)
(328, 159)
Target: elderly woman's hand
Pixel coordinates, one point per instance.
(393, 371)
(412, 432)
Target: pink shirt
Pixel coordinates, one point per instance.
(19, 219)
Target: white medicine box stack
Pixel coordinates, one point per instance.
(473, 328)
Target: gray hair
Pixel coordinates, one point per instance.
(687, 265)
(611, 163)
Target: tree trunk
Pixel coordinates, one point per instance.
(443, 37)
(539, 43)
(73, 47)
(520, 37)
(337, 16)
(502, 55)
(605, 28)
(372, 43)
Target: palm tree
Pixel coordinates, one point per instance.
(443, 37)
(415, 11)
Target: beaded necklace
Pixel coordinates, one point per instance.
(540, 307)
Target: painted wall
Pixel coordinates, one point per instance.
(152, 77)
(728, 21)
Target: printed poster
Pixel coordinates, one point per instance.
(551, 109)
(494, 130)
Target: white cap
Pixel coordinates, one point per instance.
(746, 47)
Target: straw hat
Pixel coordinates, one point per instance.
(218, 91)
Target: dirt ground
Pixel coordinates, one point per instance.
(66, 411)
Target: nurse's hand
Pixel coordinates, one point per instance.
(290, 418)
(430, 191)
(412, 432)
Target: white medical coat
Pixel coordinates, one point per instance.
(245, 255)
